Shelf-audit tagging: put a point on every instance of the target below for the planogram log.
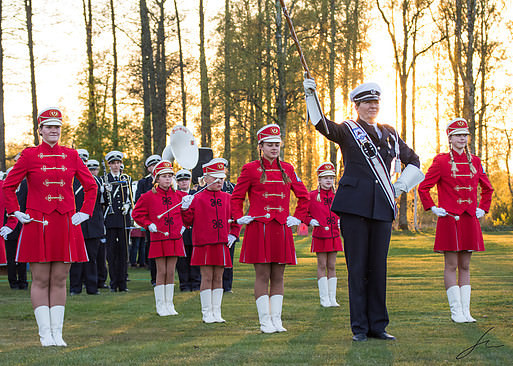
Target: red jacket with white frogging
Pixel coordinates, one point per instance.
(457, 192)
(150, 205)
(271, 197)
(321, 211)
(208, 214)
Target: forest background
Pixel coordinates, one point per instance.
(125, 72)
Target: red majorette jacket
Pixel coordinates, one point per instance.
(321, 211)
(150, 205)
(271, 197)
(50, 171)
(208, 214)
(457, 192)
(11, 221)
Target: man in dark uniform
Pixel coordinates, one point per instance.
(144, 185)
(117, 198)
(228, 272)
(189, 276)
(93, 230)
(365, 202)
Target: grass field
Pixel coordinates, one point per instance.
(123, 328)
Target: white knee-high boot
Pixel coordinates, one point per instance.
(217, 299)
(465, 303)
(276, 306)
(169, 291)
(323, 292)
(56, 322)
(206, 306)
(454, 297)
(42, 314)
(332, 290)
(264, 316)
(160, 302)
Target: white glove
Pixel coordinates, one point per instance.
(310, 86)
(108, 187)
(314, 223)
(479, 213)
(152, 228)
(292, 221)
(231, 240)
(399, 187)
(311, 104)
(22, 217)
(186, 201)
(125, 209)
(4, 231)
(439, 211)
(79, 218)
(244, 220)
(182, 230)
(102, 188)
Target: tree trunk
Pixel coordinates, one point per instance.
(227, 83)
(115, 132)
(147, 72)
(281, 102)
(2, 117)
(206, 132)
(28, 11)
(331, 77)
(92, 125)
(159, 109)
(182, 79)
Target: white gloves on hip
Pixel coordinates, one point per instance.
(4, 231)
(292, 221)
(186, 201)
(79, 218)
(125, 209)
(480, 212)
(314, 223)
(244, 220)
(152, 228)
(439, 211)
(22, 217)
(231, 240)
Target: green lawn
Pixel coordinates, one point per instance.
(123, 328)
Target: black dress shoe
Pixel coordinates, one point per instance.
(360, 337)
(94, 293)
(103, 286)
(383, 335)
(123, 290)
(113, 290)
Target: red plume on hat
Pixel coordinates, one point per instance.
(50, 117)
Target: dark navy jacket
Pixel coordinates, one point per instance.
(94, 227)
(120, 196)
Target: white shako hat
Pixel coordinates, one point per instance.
(365, 91)
(114, 156)
(183, 174)
(152, 160)
(83, 154)
(215, 168)
(93, 164)
(51, 116)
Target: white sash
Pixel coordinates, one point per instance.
(374, 160)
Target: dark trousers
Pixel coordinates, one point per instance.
(150, 261)
(366, 243)
(228, 272)
(16, 272)
(101, 263)
(117, 257)
(138, 251)
(189, 276)
(86, 272)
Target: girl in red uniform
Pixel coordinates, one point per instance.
(457, 175)
(51, 237)
(166, 243)
(326, 241)
(268, 242)
(212, 236)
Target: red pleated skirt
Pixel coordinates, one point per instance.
(323, 245)
(271, 242)
(59, 241)
(454, 236)
(166, 248)
(3, 258)
(211, 255)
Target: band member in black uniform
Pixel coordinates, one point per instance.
(228, 187)
(144, 185)
(117, 220)
(93, 230)
(189, 276)
(365, 202)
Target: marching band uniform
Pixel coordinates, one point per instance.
(7, 228)
(209, 214)
(116, 225)
(326, 235)
(147, 209)
(228, 187)
(57, 238)
(457, 178)
(268, 237)
(366, 211)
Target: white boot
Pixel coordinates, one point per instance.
(169, 291)
(276, 305)
(217, 298)
(465, 303)
(454, 297)
(323, 292)
(42, 314)
(56, 323)
(332, 290)
(160, 302)
(206, 306)
(266, 325)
